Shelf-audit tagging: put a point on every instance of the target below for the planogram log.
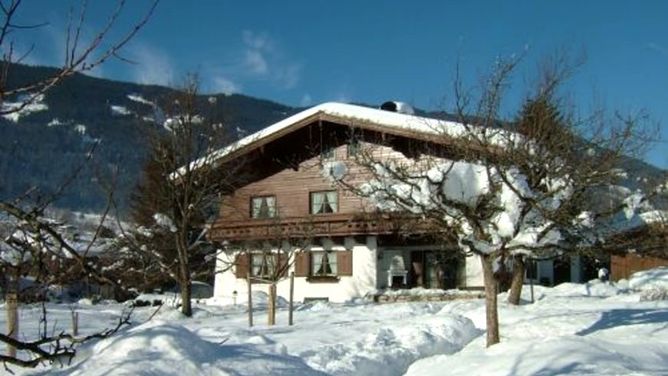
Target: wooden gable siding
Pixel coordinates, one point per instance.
(292, 191)
(292, 182)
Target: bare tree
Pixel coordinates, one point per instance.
(80, 56)
(504, 190)
(190, 182)
(31, 242)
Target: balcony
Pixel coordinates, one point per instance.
(315, 226)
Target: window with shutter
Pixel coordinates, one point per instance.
(323, 263)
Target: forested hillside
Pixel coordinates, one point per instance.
(41, 145)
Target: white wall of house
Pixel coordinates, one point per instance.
(474, 275)
(362, 282)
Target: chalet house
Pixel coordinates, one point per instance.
(351, 250)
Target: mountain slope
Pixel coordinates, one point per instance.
(44, 143)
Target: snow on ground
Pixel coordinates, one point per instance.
(578, 329)
(592, 329)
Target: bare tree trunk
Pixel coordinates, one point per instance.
(272, 305)
(518, 279)
(11, 299)
(186, 293)
(491, 311)
(12, 303)
(185, 281)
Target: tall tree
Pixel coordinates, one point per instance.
(181, 186)
(504, 190)
(29, 238)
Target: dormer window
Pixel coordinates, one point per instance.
(324, 202)
(263, 207)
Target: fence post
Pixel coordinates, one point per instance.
(271, 311)
(292, 296)
(75, 323)
(250, 299)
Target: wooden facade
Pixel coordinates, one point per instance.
(650, 245)
(290, 169)
(623, 266)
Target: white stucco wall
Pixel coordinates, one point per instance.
(358, 285)
(474, 275)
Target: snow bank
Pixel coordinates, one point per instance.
(162, 348)
(574, 355)
(647, 279)
(390, 350)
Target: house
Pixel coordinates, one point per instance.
(337, 244)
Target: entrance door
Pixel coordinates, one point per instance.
(562, 270)
(440, 269)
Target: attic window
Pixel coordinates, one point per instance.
(324, 202)
(263, 207)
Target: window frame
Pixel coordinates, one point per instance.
(272, 210)
(332, 264)
(265, 264)
(324, 196)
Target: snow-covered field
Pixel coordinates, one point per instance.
(591, 329)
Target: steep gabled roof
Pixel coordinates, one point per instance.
(357, 116)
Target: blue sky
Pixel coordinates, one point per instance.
(306, 52)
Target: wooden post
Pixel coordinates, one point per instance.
(11, 299)
(75, 323)
(250, 299)
(535, 274)
(271, 311)
(292, 296)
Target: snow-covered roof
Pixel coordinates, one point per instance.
(359, 116)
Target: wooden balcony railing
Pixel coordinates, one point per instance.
(313, 226)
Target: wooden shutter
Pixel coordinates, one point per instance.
(344, 263)
(242, 265)
(302, 264)
(282, 264)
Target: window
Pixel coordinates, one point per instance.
(323, 264)
(263, 207)
(263, 265)
(324, 202)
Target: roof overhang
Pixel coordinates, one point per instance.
(340, 113)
